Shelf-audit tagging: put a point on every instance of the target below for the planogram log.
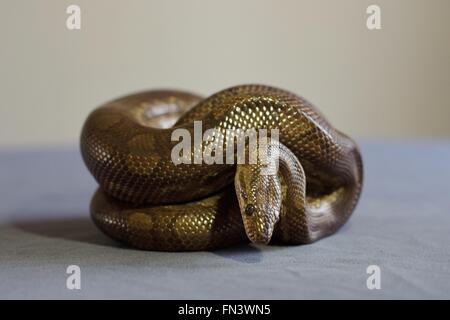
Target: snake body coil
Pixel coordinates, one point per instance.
(149, 201)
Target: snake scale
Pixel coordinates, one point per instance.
(148, 201)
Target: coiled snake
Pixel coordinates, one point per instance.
(149, 201)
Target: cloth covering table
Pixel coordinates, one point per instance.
(401, 224)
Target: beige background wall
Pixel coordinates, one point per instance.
(394, 82)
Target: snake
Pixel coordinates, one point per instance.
(152, 198)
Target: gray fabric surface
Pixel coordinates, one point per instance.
(402, 224)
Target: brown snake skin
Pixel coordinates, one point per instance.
(148, 202)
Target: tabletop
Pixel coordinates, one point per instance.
(401, 226)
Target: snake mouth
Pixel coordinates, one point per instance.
(259, 238)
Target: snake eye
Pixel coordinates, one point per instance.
(249, 209)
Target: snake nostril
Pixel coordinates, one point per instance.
(249, 209)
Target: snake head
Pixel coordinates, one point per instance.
(259, 197)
